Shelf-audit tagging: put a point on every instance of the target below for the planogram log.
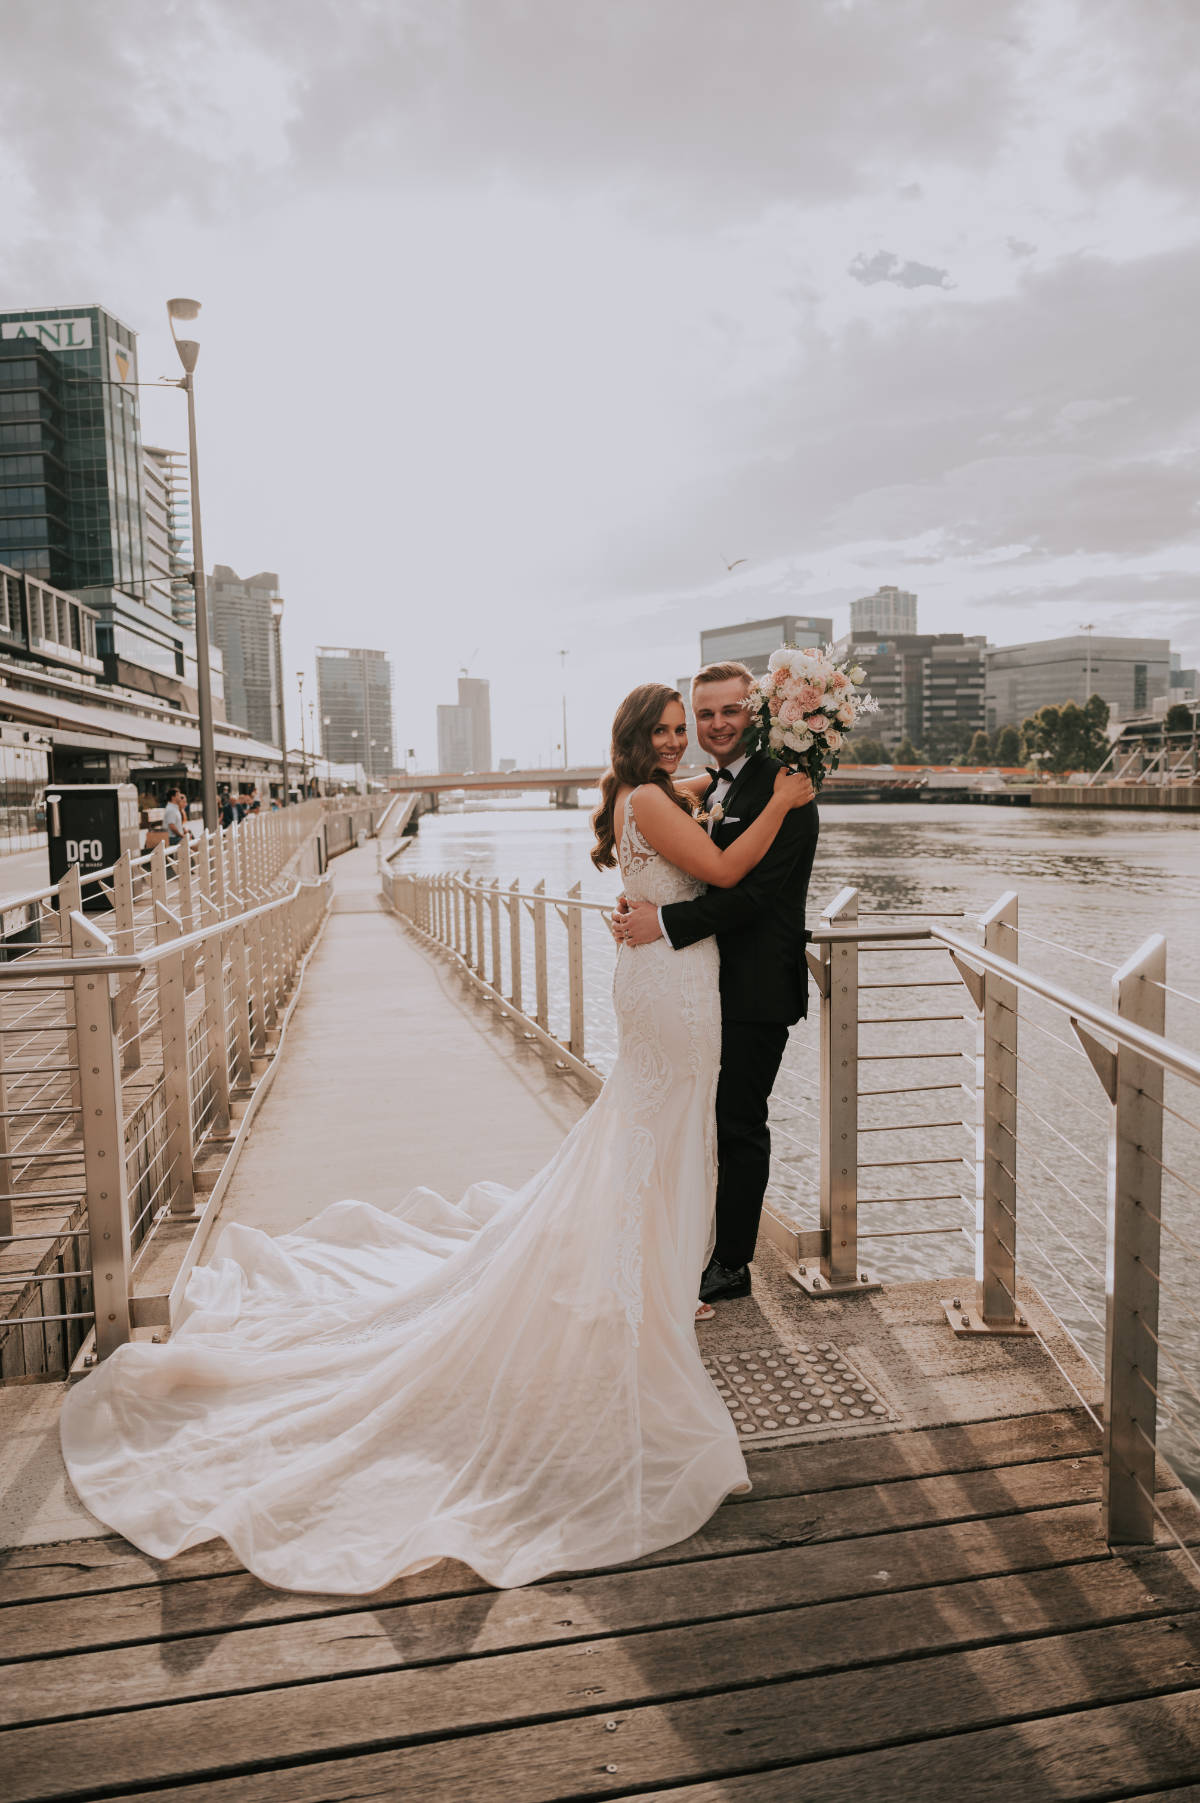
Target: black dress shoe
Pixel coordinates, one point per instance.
(720, 1284)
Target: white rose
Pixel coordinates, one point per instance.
(790, 740)
(802, 740)
(857, 674)
(779, 658)
(776, 736)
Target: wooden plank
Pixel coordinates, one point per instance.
(68, 1567)
(820, 1636)
(594, 1755)
(1111, 1753)
(113, 1618)
(888, 1457)
(931, 1554)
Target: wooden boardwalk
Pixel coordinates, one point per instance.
(917, 1614)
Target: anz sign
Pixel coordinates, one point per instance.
(54, 334)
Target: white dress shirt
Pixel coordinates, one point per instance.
(724, 784)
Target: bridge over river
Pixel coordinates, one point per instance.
(962, 1572)
(563, 785)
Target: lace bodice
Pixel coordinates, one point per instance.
(647, 875)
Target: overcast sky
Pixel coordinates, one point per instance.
(523, 318)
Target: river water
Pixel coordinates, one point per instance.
(1092, 888)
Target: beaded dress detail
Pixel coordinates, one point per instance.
(512, 1380)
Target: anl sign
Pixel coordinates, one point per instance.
(55, 334)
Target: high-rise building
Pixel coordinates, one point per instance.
(886, 613)
(1131, 674)
(752, 641)
(169, 530)
(71, 480)
(354, 700)
(929, 686)
(465, 727)
(241, 623)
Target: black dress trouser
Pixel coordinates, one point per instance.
(751, 1052)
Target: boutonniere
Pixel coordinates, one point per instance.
(715, 815)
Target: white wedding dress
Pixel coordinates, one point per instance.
(513, 1380)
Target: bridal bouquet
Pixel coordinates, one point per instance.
(803, 708)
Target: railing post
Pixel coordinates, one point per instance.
(839, 1271)
(1134, 1214)
(574, 919)
(103, 1124)
(540, 967)
(996, 1132)
(514, 942)
(480, 953)
(216, 1029)
(129, 1012)
(173, 1037)
(238, 964)
(70, 902)
(497, 968)
(188, 905)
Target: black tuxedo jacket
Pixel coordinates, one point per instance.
(759, 925)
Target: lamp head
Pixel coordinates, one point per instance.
(188, 349)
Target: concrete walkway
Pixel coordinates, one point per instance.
(391, 1075)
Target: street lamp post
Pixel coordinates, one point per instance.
(303, 746)
(277, 621)
(189, 351)
(565, 758)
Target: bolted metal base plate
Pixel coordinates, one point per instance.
(813, 1284)
(966, 1321)
(794, 1390)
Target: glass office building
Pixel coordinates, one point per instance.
(354, 700)
(752, 642)
(71, 498)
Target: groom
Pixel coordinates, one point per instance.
(764, 978)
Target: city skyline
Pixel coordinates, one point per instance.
(733, 358)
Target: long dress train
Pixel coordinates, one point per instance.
(513, 1380)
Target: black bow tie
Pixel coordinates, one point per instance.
(720, 776)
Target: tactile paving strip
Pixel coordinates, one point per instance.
(789, 1391)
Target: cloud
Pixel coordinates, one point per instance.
(885, 266)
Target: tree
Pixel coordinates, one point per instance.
(871, 751)
(907, 753)
(947, 741)
(1179, 717)
(979, 751)
(1008, 747)
(1096, 746)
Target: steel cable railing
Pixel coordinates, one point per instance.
(183, 984)
(1036, 1188)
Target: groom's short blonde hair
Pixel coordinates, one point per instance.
(721, 673)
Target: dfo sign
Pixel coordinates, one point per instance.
(55, 334)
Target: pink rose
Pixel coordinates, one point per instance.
(833, 738)
(839, 680)
(817, 723)
(809, 696)
(775, 703)
(845, 715)
(790, 712)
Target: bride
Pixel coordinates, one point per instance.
(512, 1380)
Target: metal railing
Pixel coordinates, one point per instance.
(137, 1008)
(509, 941)
(950, 1090)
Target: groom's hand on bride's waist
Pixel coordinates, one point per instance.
(639, 923)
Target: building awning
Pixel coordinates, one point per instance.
(79, 741)
(51, 711)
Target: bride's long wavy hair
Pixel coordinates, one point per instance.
(633, 761)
